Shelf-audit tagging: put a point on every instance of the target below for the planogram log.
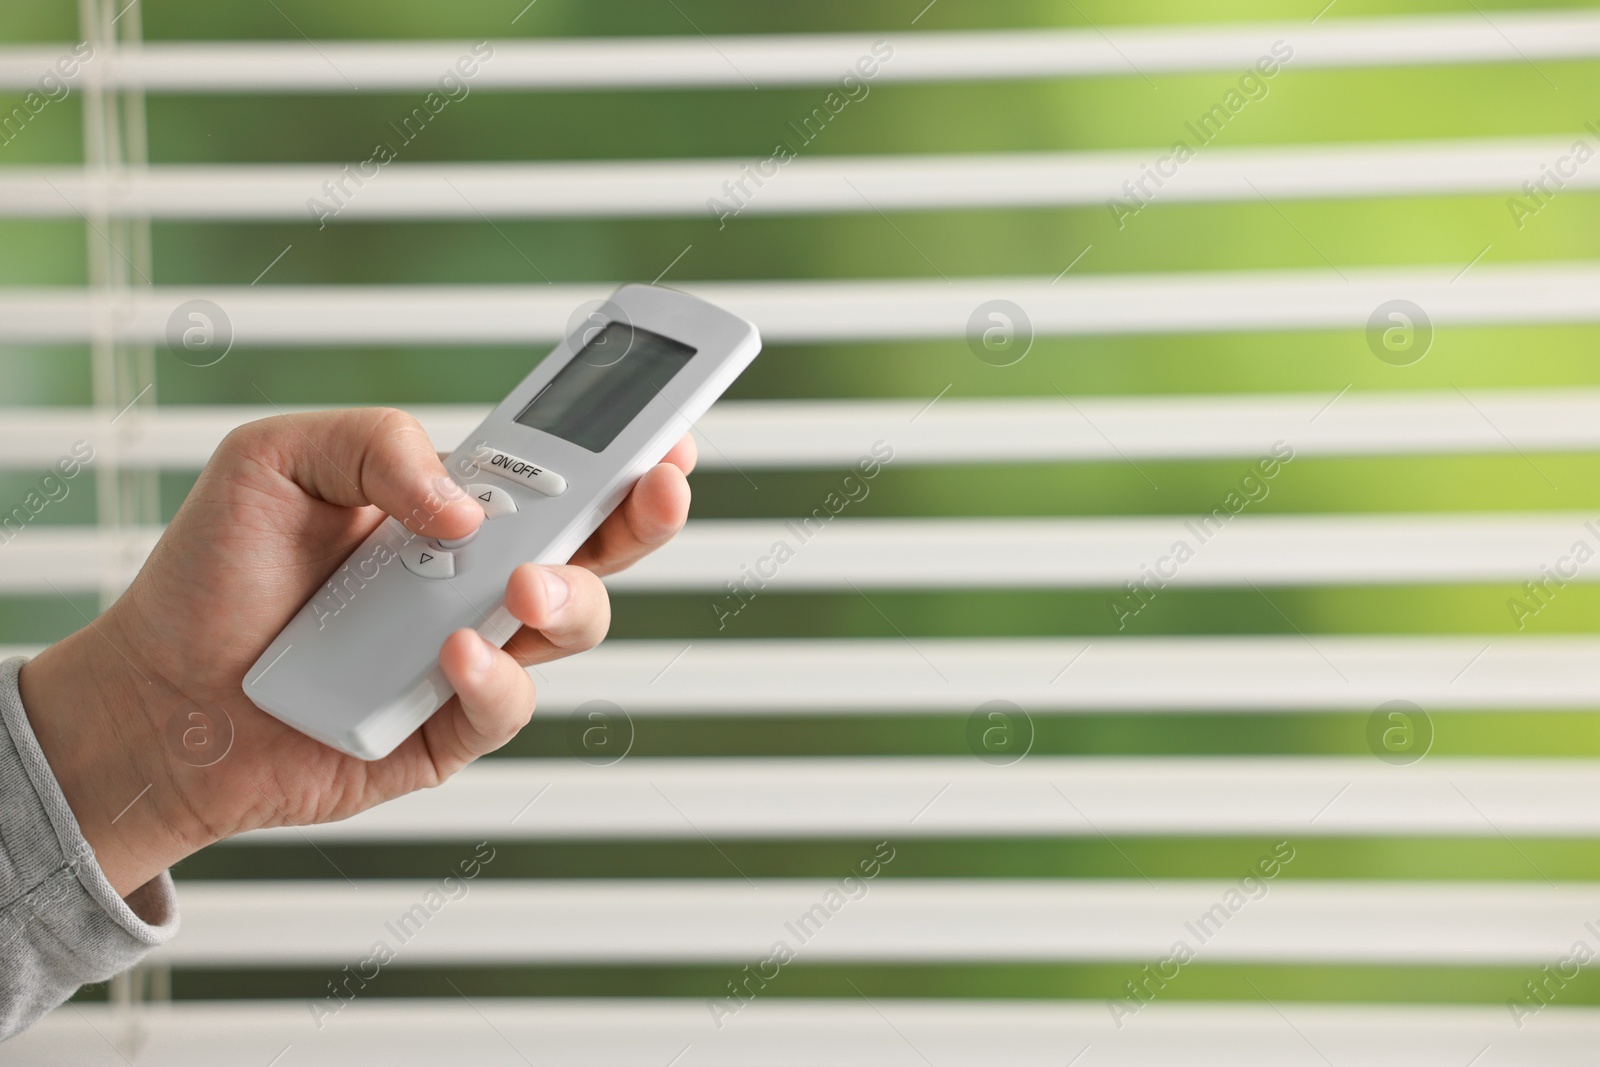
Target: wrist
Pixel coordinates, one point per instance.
(98, 721)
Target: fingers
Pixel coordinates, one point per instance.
(651, 515)
(684, 454)
(563, 610)
(362, 456)
(654, 511)
(495, 699)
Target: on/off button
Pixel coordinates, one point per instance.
(520, 470)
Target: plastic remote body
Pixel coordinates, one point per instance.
(357, 667)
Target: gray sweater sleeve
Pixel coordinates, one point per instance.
(61, 923)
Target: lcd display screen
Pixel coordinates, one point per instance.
(606, 385)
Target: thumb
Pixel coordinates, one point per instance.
(362, 456)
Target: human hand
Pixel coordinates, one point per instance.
(279, 507)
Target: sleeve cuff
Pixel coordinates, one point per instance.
(58, 912)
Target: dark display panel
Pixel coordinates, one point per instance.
(606, 385)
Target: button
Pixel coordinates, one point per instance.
(496, 502)
(493, 461)
(455, 542)
(425, 561)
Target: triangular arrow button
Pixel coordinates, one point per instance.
(425, 558)
(496, 502)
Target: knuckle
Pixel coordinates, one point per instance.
(598, 625)
(245, 439)
(387, 422)
(594, 605)
(268, 441)
(523, 713)
(509, 720)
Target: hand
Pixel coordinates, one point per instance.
(275, 512)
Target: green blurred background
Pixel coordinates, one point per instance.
(1133, 112)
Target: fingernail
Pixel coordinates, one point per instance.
(481, 658)
(556, 590)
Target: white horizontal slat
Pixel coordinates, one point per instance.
(808, 59)
(735, 921)
(800, 433)
(807, 433)
(959, 431)
(778, 1031)
(815, 312)
(1169, 674)
(1029, 553)
(1100, 553)
(184, 436)
(808, 184)
(1178, 674)
(778, 798)
(46, 560)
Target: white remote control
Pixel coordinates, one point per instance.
(358, 666)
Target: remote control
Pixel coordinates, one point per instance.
(357, 667)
